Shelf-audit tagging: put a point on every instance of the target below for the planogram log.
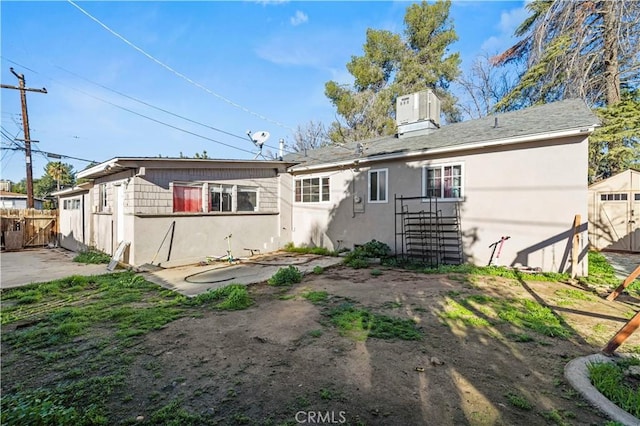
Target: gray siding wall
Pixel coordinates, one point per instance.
(153, 193)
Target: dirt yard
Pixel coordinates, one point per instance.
(283, 361)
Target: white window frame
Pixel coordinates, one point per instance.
(377, 172)
(611, 196)
(234, 190)
(442, 166)
(323, 196)
(103, 198)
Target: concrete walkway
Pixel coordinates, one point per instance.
(195, 279)
(18, 268)
(622, 263)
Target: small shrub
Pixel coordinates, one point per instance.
(316, 296)
(92, 256)
(231, 297)
(322, 251)
(376, 272)
(318, 270)
(285, 276)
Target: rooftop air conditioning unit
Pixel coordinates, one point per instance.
(416, 107)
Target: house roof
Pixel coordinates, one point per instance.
(78, 189)
(16, 195)
(550, 121)
(119, 164)
(625, 174)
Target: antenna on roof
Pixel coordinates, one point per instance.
(258, 140)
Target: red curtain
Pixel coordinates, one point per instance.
(187, 198)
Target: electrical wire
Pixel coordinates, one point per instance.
(244, 138)
(179, 74)
(160, 109)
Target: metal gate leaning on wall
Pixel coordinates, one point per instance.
(24, 228)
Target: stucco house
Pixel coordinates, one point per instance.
(177, 211)
(442, 194)
(14, 200)
(614, 212)
(448, 193)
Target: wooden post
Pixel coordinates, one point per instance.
(632, 276)
(575, 246)
(622, 335)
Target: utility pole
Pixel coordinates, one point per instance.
(25, 124)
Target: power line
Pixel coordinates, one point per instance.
(153, 106)
(179, 74)
(158, 108)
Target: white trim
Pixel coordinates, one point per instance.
(386, 185)
(320, 201)
(428, 151)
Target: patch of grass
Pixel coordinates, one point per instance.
(175, 415)
(286, 276)
(315, 333)
(316, 297)
(495, 271)
(518, 401)
(330, 394)
(362, 324)
(556, 417)
(521, 337)
(600, 271)
(573, 294)
(318, 270)
(287, 297)
(609, 379)
(291, 248)
(376, 272)
(455, 311)
(529, 314)
(230, 298)
(92, 256)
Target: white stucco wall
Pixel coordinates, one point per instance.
(528, 192)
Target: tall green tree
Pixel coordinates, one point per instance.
(393, 65)
(57, 175)
(585, 49)
(615, 146)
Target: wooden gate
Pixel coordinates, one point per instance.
(28, 228)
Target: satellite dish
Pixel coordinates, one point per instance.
(258, 139)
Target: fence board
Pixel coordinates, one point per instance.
(38, 227)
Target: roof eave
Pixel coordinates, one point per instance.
(584, 130)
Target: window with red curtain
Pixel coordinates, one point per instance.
(187, 198)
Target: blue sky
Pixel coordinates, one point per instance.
(233, 66)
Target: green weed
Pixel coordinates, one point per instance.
(518, 401)
(232, 297)
(455, 311)
(316, 297)
(290, 247)
(318, 269)
(92, 256)
(361, 324)
(609, 379)
(376, 272)
(285, 276)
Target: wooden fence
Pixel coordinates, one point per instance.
(28, 228)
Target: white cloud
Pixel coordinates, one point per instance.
(509, 21)
(271, 2)
(299, 18)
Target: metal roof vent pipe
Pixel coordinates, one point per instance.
(417, 114)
